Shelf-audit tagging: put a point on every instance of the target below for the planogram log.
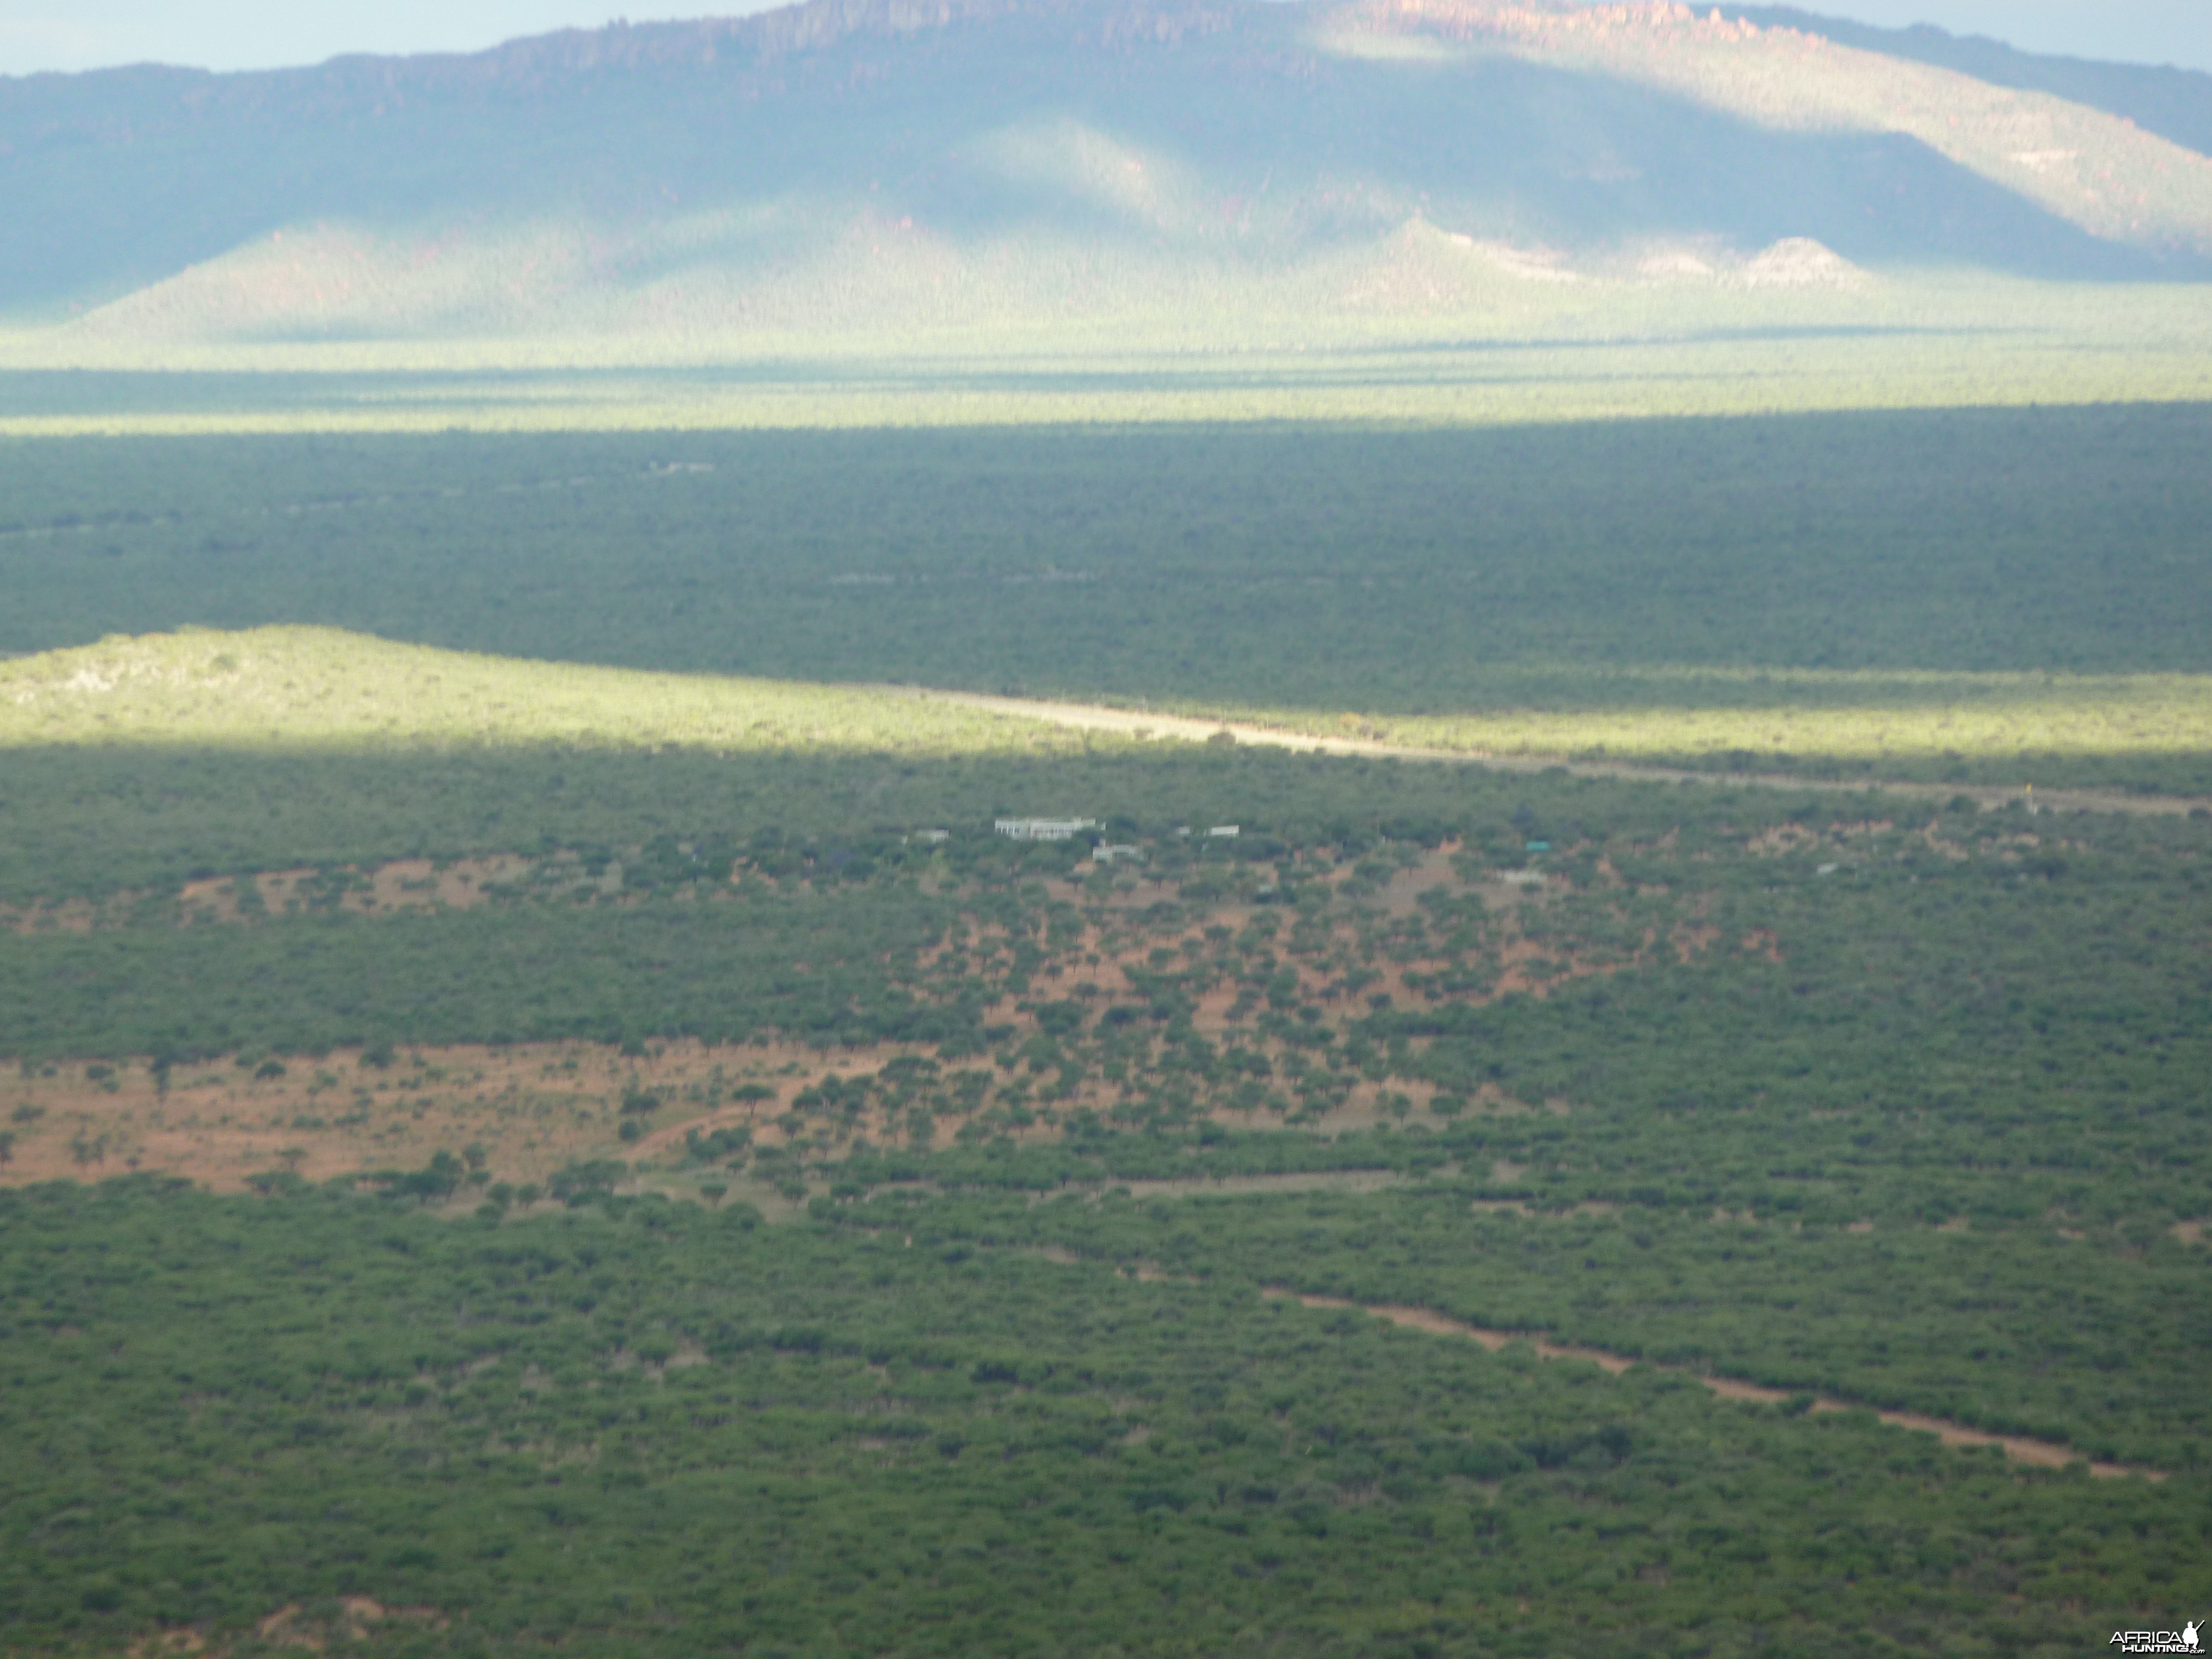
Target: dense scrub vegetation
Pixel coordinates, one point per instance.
(92, 820)
(2009, 1328)
(643, 1424)
(1919, 574)
(1869, 1096)
(1699, 1038)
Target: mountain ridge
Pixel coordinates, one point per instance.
(540, 63)
(2173, 103)
(1154, 139)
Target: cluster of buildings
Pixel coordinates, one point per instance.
(1102, 852)
(1044, 828)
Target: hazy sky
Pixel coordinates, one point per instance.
(71, 34)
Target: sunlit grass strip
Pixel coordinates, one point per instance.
(280, 688)
(1603, 350)
(1977, 726)
(294, 687)
(1639, 383)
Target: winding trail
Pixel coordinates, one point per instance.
(2043, 1454)
(1096, 717)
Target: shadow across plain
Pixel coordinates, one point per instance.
(1399, 572)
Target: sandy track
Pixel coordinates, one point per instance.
(2040, 1453)
(1092, 717)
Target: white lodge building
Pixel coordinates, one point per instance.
(1043, 828)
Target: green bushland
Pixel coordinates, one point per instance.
(819, 841)
(1807, 1015)
(2003, 1038)
(2009, 1327)
(640, 1424)
(134, 765)
(1752, 1023)
(821, 971)
(1986, 595)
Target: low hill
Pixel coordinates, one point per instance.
(880, 161)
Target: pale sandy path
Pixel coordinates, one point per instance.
(2041, 1453)
(1093, 717)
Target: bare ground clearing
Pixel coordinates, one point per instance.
(520, 1113)
(529, 1109)
(397, 887)
(533, 1108)
(402, 886)
(1319, 1181)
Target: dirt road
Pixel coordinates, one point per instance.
(1092, 717)
(2041, 1453)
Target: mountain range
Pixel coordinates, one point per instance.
(960, 160)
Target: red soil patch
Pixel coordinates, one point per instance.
(532, 1107)
(1761, 942)
(357, 1618)
(387, 890)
